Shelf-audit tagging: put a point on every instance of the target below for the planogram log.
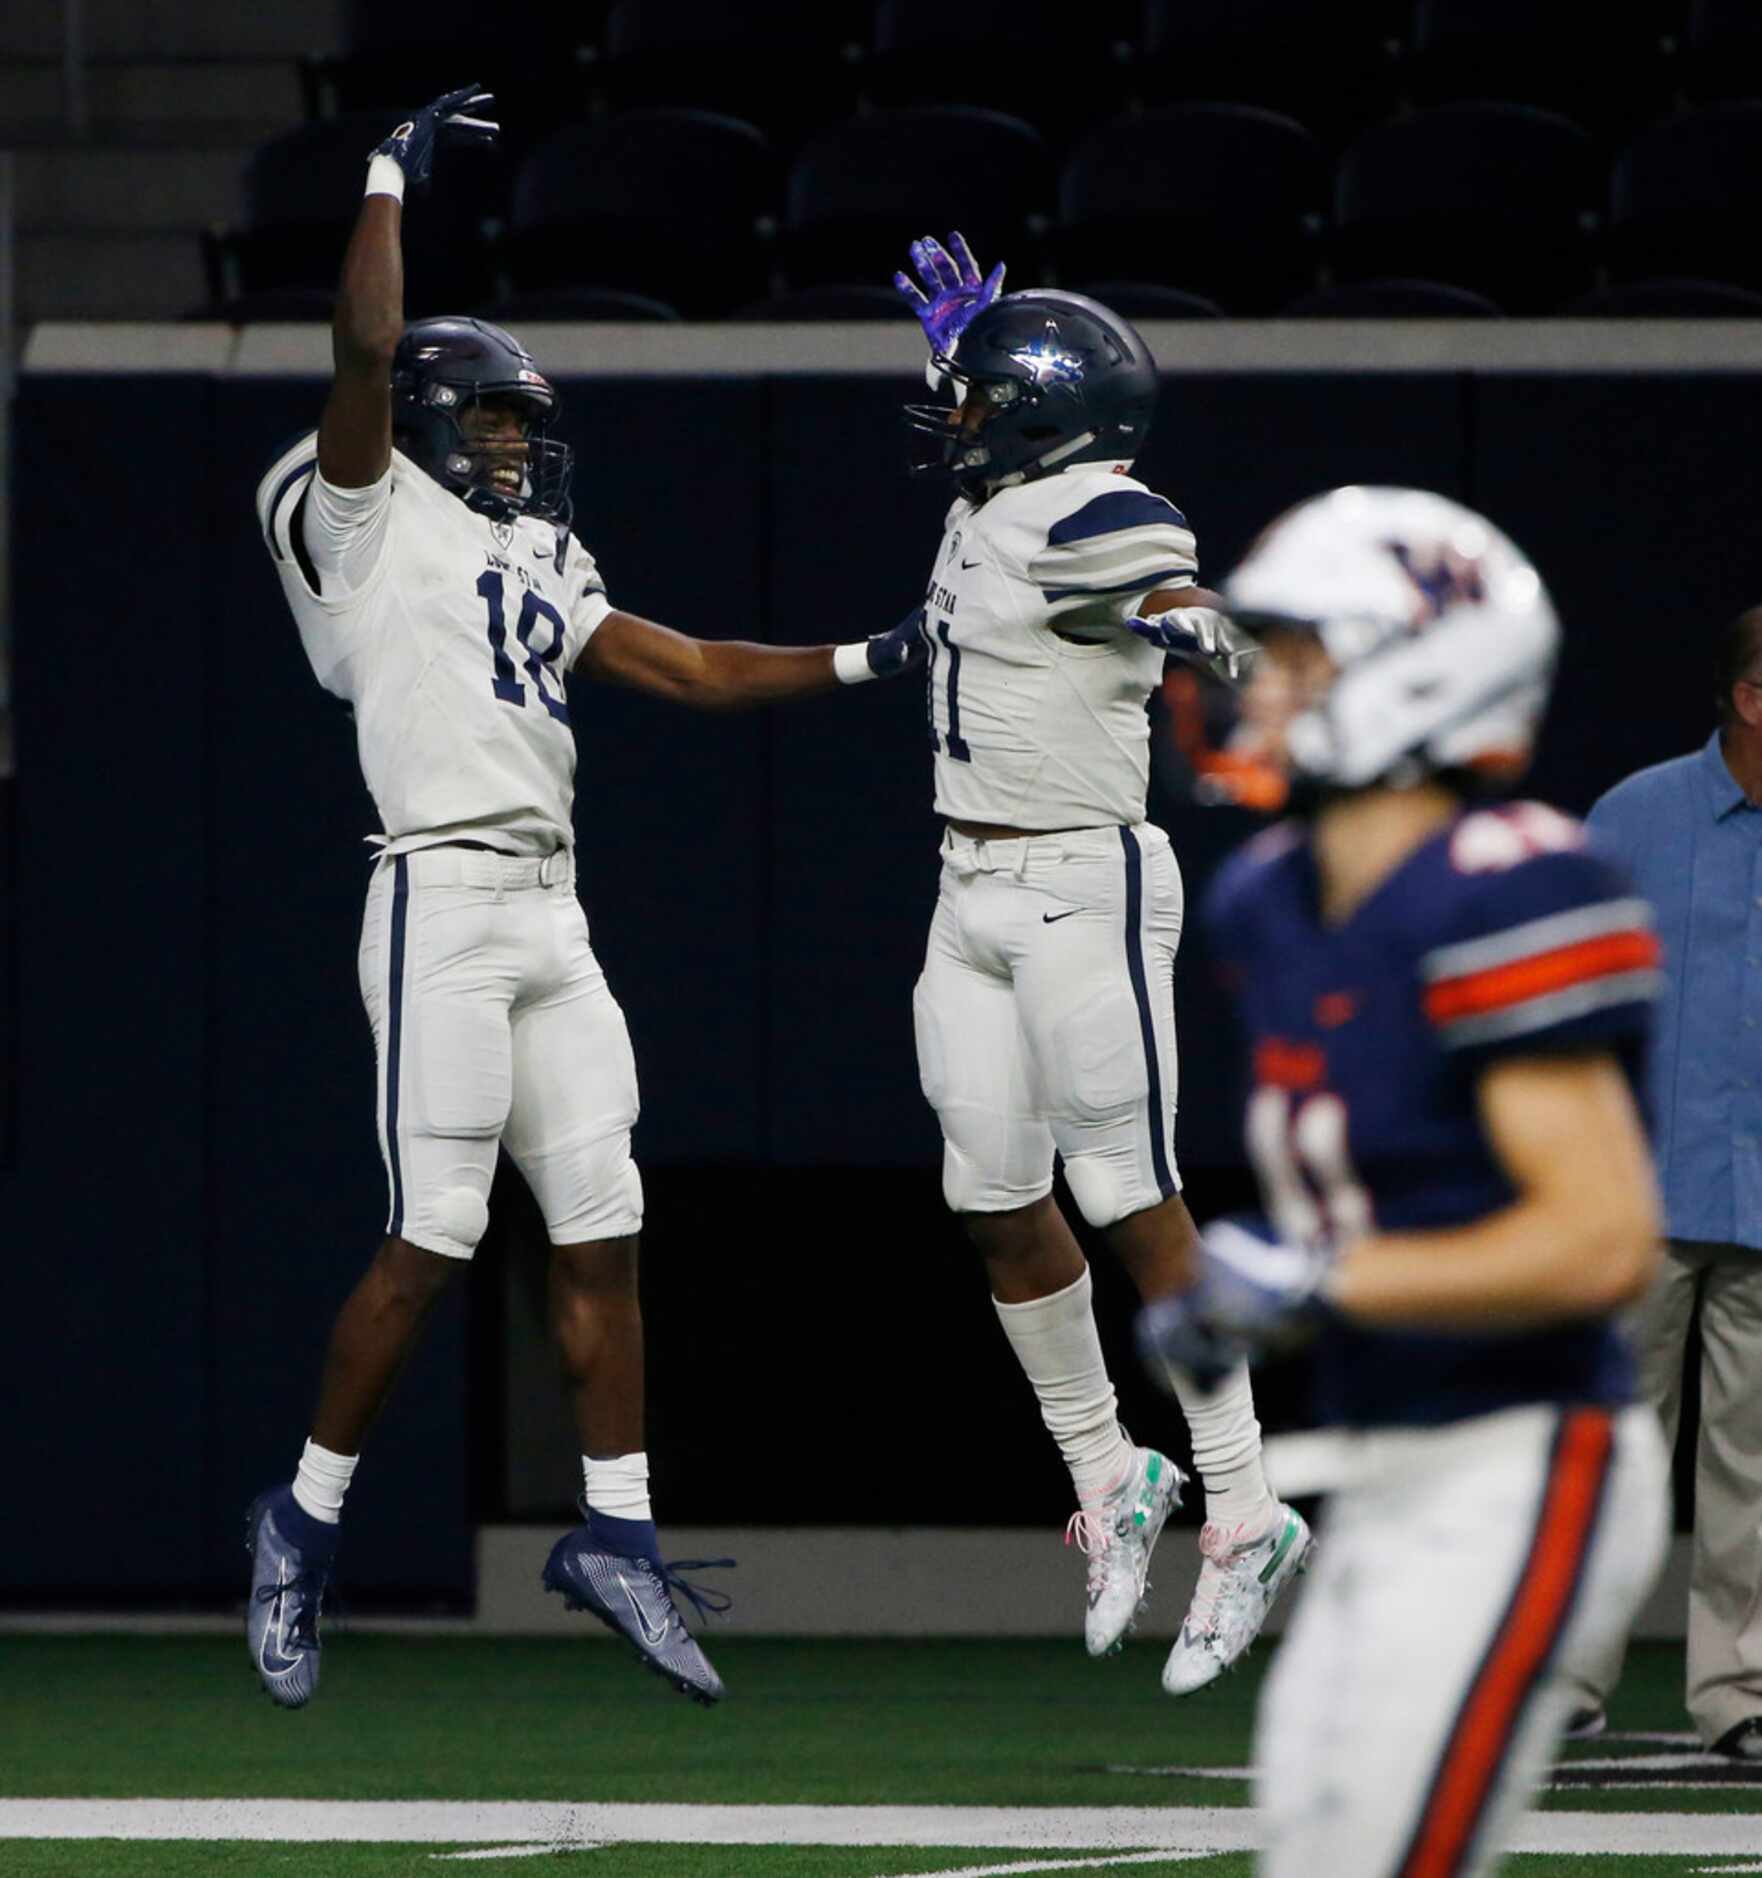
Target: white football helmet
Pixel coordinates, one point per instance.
(1441, 632)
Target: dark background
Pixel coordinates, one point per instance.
(191, 1180)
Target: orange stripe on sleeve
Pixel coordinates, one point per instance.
(1476, 1749)
(1500, 986)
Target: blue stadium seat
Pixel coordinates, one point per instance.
(1667, 300)
(787, 69)
(302, 192)
(1498, 198)
(1334, 69)
(1222, 200)
(1035, 58)
(1722, 54)
(399, 54)
(670, 204)
(1604, 66)
(813, 304)
(1392, 300)
(859, 194)
(1682, 198)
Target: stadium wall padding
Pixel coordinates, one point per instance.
(194, 1182)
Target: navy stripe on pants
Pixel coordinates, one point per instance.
(394, 1035)
(1159, 1154)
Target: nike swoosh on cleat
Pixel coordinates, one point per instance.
(653, 1638)
(284, 1665)
(1286, 1539)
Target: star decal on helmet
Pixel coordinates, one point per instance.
(1048, 362)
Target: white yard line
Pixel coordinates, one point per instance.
(519, 1851)
(559, 1826)
(1164, 1857)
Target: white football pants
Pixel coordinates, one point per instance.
(1461, 1574)
(493, 1025)
(1045, 1019)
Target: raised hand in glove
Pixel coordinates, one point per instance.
(1201, 636)
(1255, 1296)
(454, 119)
(952, 294)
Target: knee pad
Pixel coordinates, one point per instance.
(969, 1188)
(455, 1220)
(1103, 1183)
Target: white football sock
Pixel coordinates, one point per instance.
(1226, 1448)
(1056, 1343)
(321, 1480)
(618, 1488)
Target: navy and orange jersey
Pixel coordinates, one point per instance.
(1504, 935)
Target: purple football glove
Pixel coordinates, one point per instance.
(952, 293)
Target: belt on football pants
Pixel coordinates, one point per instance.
(475, 864)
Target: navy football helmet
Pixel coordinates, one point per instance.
(1062, 380)
(440, 368)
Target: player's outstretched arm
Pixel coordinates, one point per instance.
(1189, 623)
(1580, 1239)
(728, 674)
(355, 433)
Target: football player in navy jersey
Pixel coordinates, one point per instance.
(1447, 1003)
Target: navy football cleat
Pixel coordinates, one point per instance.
(291, 1556)
(633, 1596)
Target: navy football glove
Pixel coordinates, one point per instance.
(1255, 1296)
(952, 294)
(449, 120)
(1201, 636)
(902, 649)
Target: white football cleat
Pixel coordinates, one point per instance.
(1238, 1581)
(1118, 1535)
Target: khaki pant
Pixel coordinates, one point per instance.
(1724, 1684)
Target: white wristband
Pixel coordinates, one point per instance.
(850, 663)
(384, 177)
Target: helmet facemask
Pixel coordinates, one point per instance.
(475, 461)
(448, 368)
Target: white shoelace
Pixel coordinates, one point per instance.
(1217, 1546)
(1089, 1531)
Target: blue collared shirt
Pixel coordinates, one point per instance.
(1693, 843)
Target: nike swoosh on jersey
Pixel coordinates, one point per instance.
(969, 564)
(1052, 919)
(654, 1638)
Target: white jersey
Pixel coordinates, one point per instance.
(448, 635)
(1037, 691)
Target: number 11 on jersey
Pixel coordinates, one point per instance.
(958, 747)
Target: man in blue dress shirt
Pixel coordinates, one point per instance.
(1690, 834)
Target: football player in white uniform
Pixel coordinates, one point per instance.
(1045, 1014)
(1447, 1004)
(422, 539)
